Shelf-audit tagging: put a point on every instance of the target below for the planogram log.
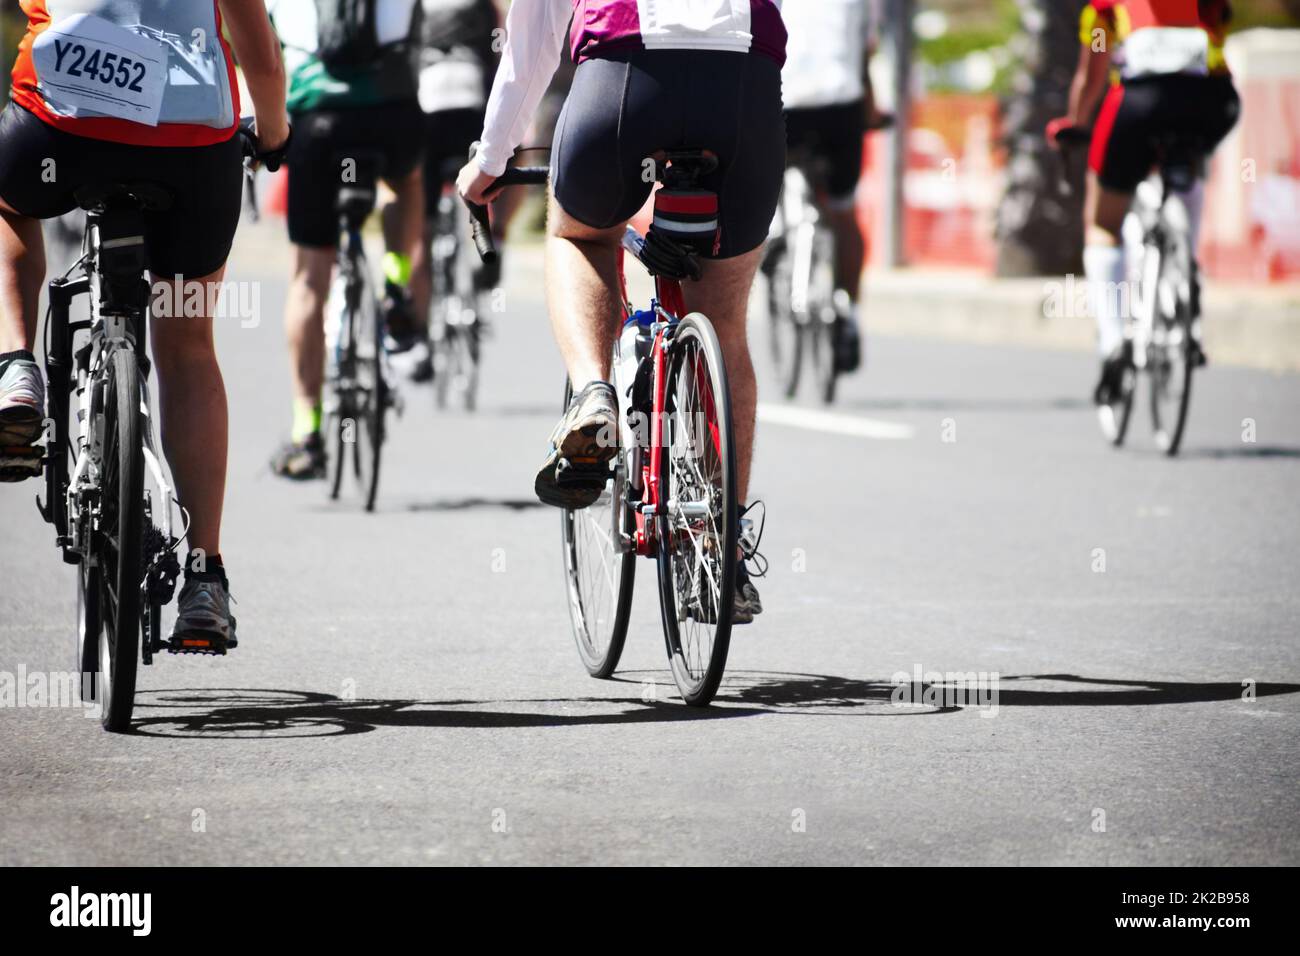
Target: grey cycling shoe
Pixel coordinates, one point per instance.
(582, 445)
(22, 412)
(204, 624)
(747, 604)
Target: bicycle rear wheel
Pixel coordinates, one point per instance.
(1170, 353)
(372, 400)
(118, 542)
(599, 570)
(785, 334)
(698, 525)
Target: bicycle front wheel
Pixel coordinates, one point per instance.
(599, 570)
(697, 547)
(117, 543)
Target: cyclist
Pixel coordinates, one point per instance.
(456, 61)
(1156, 67)
(648, 78)
(352, 86)
(59, 133)
(829, 107)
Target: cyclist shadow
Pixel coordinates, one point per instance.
(1244, 451)
(1060, 403)
(475, 503)
(240, 713)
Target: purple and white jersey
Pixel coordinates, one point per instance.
(536, 31)
(616, 26)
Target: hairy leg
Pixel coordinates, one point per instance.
(22, 271)
(582, 293)
(192, 402)
(722, 294)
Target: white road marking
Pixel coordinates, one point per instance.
(831, 422)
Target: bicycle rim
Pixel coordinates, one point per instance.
(118, 543)
(697, 531)
(89, 626)
(598, 574)
(785, 339)
(1171, 386)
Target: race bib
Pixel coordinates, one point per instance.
(1161, 51)
(451, 84)
(86, 65)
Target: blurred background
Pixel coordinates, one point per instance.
(972, 184)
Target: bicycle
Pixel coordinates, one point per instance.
(1161, 323)
(358, 380)
(800, 269)
(803, 303)
(458, 326)
(106, 491)
(670, 493)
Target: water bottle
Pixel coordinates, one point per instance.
(636, 330)
(334, 326)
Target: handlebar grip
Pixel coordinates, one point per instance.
(481, 230)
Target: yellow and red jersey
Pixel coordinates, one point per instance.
(1117, 20)
(193, 100)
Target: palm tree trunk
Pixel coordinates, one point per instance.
(1039, 228)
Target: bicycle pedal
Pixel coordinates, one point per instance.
(194, 644)
(19, 464)
(582, 473)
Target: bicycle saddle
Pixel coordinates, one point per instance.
(152, 197)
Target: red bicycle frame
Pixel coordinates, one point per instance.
(670, 304)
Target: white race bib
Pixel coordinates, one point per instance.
(1162, 51)
(88, 66)
(451, 84)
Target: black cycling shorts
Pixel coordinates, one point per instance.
(322, 140)
(621, 109)
(832, 134)
(42, 167)
(447, 138)
(1136, 115)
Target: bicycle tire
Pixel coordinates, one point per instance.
(1171, 364)
(599, 627)
(785, 337)
(1119, 411)
(121, 573)
(89, 625)
(696, 671)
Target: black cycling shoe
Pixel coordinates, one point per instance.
(846, 344)
(582, 446)
(301, 460)
(402, 331)
(1110, 383)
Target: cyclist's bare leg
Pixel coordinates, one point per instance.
(22, 271)
(722, 294)
(1103, 261)
(850, 248)
(192, 403)
(582, 293)
(403, 227)
(304, 321)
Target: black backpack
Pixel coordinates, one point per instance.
(347, 39)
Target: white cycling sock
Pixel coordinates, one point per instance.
(1103, 266)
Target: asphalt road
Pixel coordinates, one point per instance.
(406, 689)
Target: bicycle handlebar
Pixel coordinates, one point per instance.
(479, 225)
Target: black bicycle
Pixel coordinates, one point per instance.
(458, 307)
(106, 490)
(358, 379)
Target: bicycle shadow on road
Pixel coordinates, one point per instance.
(249, 713)
(1244, 451)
